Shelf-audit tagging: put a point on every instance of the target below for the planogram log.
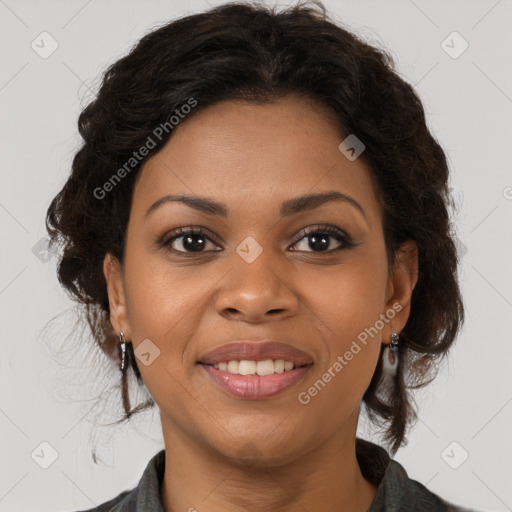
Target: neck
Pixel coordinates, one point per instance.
(327, 478)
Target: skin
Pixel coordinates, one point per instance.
(252, 158)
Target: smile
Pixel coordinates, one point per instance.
(255, 380)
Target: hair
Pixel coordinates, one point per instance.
(256, 53)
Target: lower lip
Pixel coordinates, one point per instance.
(255, 387)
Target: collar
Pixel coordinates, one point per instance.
(396, 492)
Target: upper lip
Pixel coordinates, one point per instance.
(255, 351)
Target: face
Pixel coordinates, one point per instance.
(261, 265)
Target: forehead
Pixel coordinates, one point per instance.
(251, 155)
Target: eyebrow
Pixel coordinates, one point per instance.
(289, 207)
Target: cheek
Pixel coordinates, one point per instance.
(347, 305)
(162, 298)
(348, 299)
(163, 305)
(341, 378)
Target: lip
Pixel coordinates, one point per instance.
(256, 351)
(255, 387)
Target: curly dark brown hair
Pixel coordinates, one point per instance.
(260, 54)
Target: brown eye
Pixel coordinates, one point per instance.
(188, 240)
(320, 239)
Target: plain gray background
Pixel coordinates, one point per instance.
(466, 412)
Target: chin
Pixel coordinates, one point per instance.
(260, 450)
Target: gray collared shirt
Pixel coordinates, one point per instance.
(396, 492)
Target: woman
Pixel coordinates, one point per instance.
(257, 227)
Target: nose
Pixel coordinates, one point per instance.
(257, 292)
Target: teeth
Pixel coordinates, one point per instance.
(265, 367)
(279, 366)
(233, 366)
(245, 367)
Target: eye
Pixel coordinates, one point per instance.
(319, 239)
(188, 240)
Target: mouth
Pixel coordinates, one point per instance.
(255, 371)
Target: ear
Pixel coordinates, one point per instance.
(112, 271)
(401, 283)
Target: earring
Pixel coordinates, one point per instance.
(393, 352)
(390, 356)
(395, 338)
(122, 344)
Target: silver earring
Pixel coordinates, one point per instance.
(390, 356)
(395, 338)
(393, 352)
(122, 343)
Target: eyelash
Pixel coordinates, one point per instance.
(338, 234)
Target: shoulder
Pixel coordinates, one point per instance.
(414, 495)
(123, 502)
(395, 490)
(144, 497)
